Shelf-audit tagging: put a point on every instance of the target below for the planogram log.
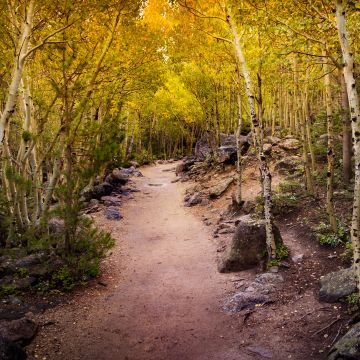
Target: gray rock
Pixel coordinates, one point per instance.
(290, 144)
(268, 277)
(263, 352)
(97, 191)
(337, 285)
(273, 140)
(118, 177)
(205, 145)
(28, 261)
(112, 213)
(19, 331)
(23, 283)
(227, 152)
(94, 202)
(267, 148)
(289, 164)
(297, 258)
(134, 163)
(193, 199)
(111, 200)
(10, 350)
(184, 166)
(245, 300)
(348, 347)
(230, 230)
(220, 188)
(248, 246)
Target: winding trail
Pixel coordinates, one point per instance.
(163, 295)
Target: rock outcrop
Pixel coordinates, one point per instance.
(348, 347)
(248, 246)
(336, 285)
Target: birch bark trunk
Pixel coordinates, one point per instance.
(19, 62)
(264, 169)
(353, 96)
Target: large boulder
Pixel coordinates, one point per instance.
(255, 293)
(336, 285)
(348, 347)
(10, 350)
(248, 247)
(227, 152)
(98, 191)
(290, 144)
(184, 166)
(111, 200)
(220, 188)
(19, 331)
(118, 177)
(205, 145)
(273, 140)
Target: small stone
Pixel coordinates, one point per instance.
(112, 213)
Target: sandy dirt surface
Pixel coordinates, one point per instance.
(160, 296)
(163, 296)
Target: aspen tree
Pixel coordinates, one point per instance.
(353, 97)
(330, 149)
(264, 169)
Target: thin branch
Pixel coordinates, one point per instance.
(45, 41)
(302, 53)
(215, 36)
(277, 21)
(199, 14)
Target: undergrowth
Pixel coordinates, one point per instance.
(325, 236)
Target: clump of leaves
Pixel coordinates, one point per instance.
(282, 252)
(6, 290)
(353, 302)
(22, 272)
(325, 236)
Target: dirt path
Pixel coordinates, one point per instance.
(163, 295)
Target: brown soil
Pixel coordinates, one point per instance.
(160, 296)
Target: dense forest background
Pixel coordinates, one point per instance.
(86, 86)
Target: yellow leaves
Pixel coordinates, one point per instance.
(157, 14)
(173, 100)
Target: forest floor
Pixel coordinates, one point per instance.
(160, 296)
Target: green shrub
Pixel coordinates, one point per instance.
(6, 290)
(289, 186)
(22, 272)
(284, 202)
(325, 236)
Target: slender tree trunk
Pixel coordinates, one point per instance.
(19, 62)
(353, 96)
(330, 151)
(307, 165)
(264, 169)
(238, 196)
(347, 143)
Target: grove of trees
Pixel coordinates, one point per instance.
(85, 85)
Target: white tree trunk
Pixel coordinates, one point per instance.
(19, 62)
(353, 97)
(264, 169)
